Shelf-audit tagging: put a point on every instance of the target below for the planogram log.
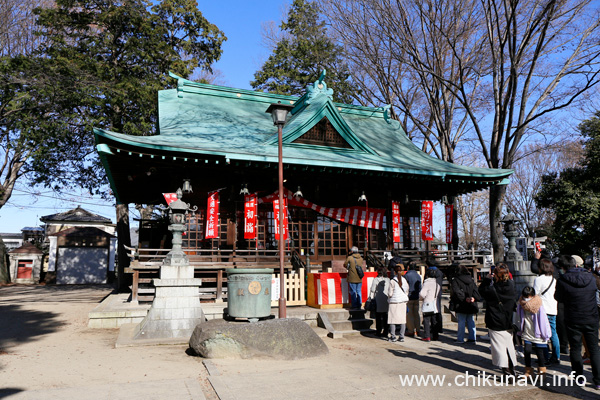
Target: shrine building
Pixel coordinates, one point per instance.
(222, 139)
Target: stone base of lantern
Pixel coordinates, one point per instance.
(175, 311)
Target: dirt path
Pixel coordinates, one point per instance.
(48, 352)
(45, 344)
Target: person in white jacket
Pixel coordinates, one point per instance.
(428, 295)
(397, 298)
(545, 286)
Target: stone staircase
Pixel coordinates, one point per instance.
(343, 322)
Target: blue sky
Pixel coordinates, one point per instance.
(243, 53)
(242, 56)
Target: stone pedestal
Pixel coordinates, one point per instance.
(175, 311)
(176, 308)
(522, 274)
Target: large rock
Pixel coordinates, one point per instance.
(279, 338)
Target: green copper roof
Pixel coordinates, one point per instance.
(205, 119)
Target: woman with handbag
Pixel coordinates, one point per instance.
(500, 296)
(545, 285)
(378, 301)
(465, 297)
(428, 295)
(398, 298)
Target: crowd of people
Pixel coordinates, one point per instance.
(557, 314)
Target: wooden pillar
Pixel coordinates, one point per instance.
(123, 239)
(134, 286)
(454, 224)
(219, 295)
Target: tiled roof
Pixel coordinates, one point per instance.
(197, 118)
(26, 248)
(75, 215)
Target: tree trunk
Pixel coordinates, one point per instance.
(4, 275)
(497, 194)
(124, 239)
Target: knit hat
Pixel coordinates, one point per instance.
(578, 260)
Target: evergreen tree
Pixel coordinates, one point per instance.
(99, 64)
(574, 197)
(302, 54)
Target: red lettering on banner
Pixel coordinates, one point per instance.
(396, 220)
(285, 219)
(427, 220)
(170, 197)
(212, 216)
(449, 224)
(250, 207)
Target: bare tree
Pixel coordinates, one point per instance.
(388, 42)
(532, 163)
(510, 65)
(474, 226)
(17, 26)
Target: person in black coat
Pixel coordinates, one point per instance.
(413, 319)
(576, 288)
(500, 296)
(465, 297)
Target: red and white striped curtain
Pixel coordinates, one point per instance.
(350, 215)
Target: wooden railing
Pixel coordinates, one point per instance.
(208, 265)
(214, 285)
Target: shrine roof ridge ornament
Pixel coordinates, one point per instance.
(319, 87)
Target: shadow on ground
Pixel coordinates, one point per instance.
(7, 392)
(54, 293)
(20, 325)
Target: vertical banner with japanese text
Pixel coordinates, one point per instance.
(427, 220)
(250, 216)
(285, 219)
(449, 225)
(396, 221)
(212, 216)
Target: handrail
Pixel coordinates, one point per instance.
(373, 261)
(296, 260)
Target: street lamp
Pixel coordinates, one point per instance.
(364, 198)
(279, 113)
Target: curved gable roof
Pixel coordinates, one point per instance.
(200, 119)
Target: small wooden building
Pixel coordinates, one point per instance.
(25, 263)
(82, 247)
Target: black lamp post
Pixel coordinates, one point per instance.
(279, 113)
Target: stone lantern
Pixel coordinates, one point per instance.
(510, 222)
(177, 212)
(176, 308)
